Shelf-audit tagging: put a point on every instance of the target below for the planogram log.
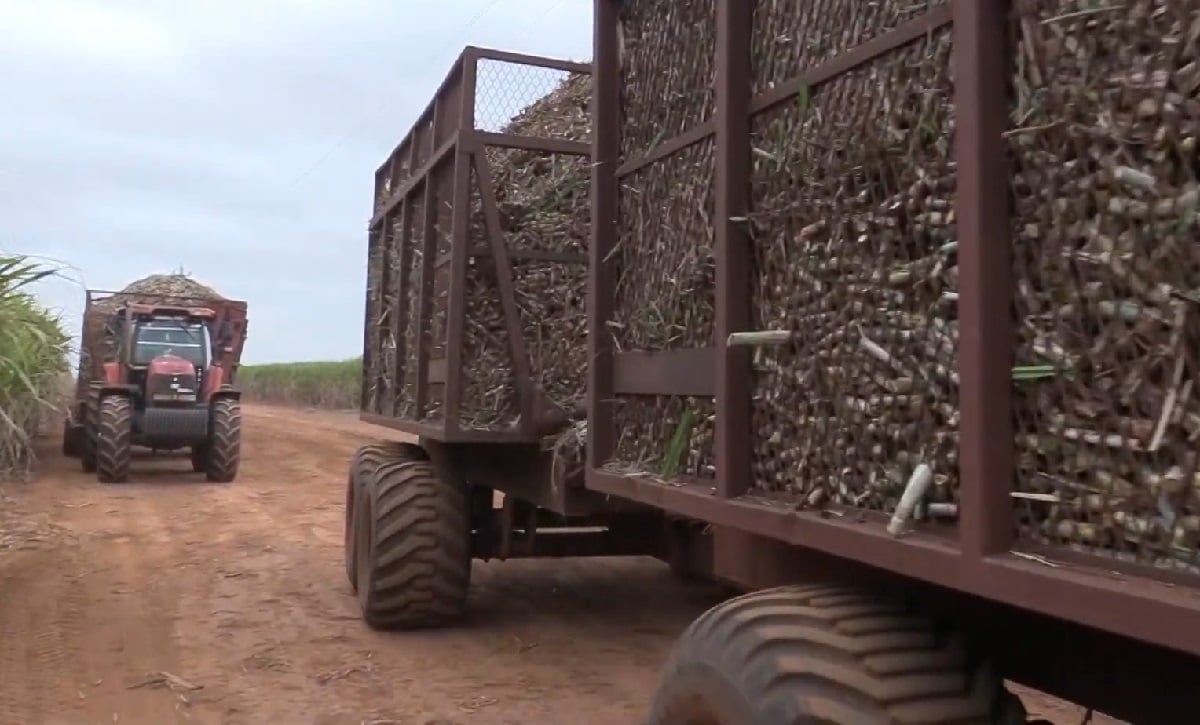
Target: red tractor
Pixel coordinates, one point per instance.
(159, 376)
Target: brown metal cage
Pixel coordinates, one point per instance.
(889, 217)
(438, 246)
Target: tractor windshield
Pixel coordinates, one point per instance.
(188, 340)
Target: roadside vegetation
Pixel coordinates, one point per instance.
(34, 370)
(329, 385)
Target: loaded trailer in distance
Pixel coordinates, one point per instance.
(475, 341)
(156, 370)
(892, 325)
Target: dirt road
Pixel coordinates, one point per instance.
(171, 600)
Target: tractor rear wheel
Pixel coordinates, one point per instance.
(825, 654)
(114, 439)
(224, 446)
(410, 539)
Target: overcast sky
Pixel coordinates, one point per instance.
(237, 138)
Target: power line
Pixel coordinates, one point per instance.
(363, 121)
(528, 28)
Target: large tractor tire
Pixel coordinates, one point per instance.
(70, 441)
(87, 453)
(199, 458)
(411, 542)
(224, 446)
(114, 439)
(825, 654)
(364, 462)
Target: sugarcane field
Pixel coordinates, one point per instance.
(701, 362)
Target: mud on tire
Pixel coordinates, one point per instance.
(223, 451)
(825, 654)
(410, 540)
(114, 439)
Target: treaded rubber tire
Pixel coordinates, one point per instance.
(412, 541)
(825, 654)
(224, 447)
(199, 458)
(348, 533)
(114, 439)
(368, 454)
(70, 443)
(87, 454)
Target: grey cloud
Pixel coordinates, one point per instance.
(124, 165)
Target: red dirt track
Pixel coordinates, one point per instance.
(172, 600)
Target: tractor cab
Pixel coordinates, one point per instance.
(167, 354)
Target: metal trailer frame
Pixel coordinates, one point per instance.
(426, 180)
(437, 157)
(1131, 624)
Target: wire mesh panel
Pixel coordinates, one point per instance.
(663, 261)
(506, 91)
(853, 192)
(1103, 133)
(790, 37)
(541, 209)
(668, 61)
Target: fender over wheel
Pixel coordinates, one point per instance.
(830, 655)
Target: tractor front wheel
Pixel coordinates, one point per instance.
(114, 440)
(224, 446)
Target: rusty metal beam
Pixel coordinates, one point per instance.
(533, 60)
(523, 377)
(606, 153)
(732, 245)
(985, 285)
(460, 225)
(688, 371)
(907, 33)
(436, 157)
(671, 146)
(533, 143)
(1151, 611)
(437, 431)
(425, 296)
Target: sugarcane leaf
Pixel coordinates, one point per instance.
(679, 442)
(1034, 372)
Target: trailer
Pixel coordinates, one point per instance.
(454, 355)
(891, 325)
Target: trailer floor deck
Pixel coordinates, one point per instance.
(172, 600)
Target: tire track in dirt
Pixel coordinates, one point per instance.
(35, 665)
